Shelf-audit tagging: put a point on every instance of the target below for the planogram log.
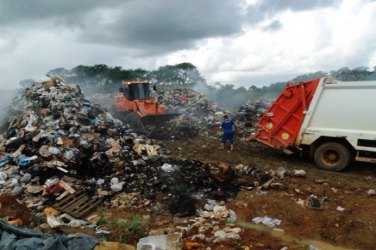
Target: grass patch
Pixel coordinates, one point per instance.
(134, 225)
(126, 231)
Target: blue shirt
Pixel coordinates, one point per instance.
(227, 125)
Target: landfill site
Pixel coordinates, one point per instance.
(75, 175)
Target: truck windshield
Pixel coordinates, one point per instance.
(139, 91)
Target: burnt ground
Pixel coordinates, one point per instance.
(353, 228)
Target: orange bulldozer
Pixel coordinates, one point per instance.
(135, 106)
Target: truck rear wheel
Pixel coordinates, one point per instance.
(332, 156)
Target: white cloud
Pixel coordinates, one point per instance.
(308, 41)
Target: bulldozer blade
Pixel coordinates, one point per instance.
(158, 119)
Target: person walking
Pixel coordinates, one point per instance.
(228, 132)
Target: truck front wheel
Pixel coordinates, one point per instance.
(332, 156)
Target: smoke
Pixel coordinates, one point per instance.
(6, 97)
(203, 88)
(225, 95)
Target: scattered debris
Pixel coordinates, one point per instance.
(301, 203)
(281, 172)
(159, 242)
(211, 226)
(314, 202)
(299, 173)
(371, 192)
(267, 221)
(340, 209)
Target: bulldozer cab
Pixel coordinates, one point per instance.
(135, 90)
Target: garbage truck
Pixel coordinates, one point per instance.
(333, 121)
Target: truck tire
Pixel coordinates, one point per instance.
(134, 122)
(332, 156)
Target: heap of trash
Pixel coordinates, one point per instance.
(198, 115)
(63, 151)
(247, 118)
(58, 132)
(63, 156)
(202, 117)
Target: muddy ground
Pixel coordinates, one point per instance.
(352, 228)
(327, 228)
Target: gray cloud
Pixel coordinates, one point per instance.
(273, 26)
(161, 26)
(297, 5)
(67, 12)
(144, 26)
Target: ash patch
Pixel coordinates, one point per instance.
(173, 182)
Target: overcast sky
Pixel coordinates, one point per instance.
(241, 42)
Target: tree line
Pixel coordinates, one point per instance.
(101, 78)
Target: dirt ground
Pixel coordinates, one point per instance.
(11, 210)
(352, 228)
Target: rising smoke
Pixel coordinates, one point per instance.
(6, 97)
(229, 98)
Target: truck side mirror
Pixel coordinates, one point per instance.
(155, 87)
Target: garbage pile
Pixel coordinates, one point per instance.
(247, 118)
(103, 100)
(58, 142)
(187, 101)
(198, 115)
(60, 148)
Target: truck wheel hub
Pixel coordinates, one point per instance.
(331, 157)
